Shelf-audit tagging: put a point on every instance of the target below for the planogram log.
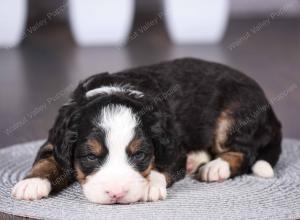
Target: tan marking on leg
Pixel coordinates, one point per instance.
(146, 172)
(49, 169)
(223, 125)
(235, 160)
(45, 168)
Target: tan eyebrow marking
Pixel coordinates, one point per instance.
(95, 147)
(134, 145)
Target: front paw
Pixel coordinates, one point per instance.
(215, 170)
(155, 193)
(156, 189)
(31, 189)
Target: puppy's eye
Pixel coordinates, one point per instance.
(139, 156)
(92, 157)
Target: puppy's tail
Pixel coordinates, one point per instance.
(268, 156)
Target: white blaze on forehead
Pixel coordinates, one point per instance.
(113, 89)
(116, 174)
(119, 123)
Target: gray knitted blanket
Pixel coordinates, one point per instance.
(245, 197)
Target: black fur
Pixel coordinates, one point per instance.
(182, 102)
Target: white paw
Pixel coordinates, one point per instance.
(195, 159)
(155, 193)
(263, 169)
(157, 188)
(31, 189)
(215, 170)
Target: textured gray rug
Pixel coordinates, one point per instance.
(245, 197)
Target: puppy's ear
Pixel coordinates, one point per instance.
(64, 133)
(169, 154)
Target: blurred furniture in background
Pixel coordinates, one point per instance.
(13, 15)
(196, 21)
(108, 22)
(101, 22)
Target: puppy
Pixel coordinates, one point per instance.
(128, 136)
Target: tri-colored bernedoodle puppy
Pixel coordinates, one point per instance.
(128, 136)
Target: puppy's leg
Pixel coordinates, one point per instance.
(268, 157)
(195, 160)
(160, 180)
(157, 187)
(228, 158)
(44, 177)
(224, 166)
(237, 148)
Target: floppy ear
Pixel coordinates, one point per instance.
(63, 135)
(170, 157)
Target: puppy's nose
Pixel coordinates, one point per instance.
(116, 194)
